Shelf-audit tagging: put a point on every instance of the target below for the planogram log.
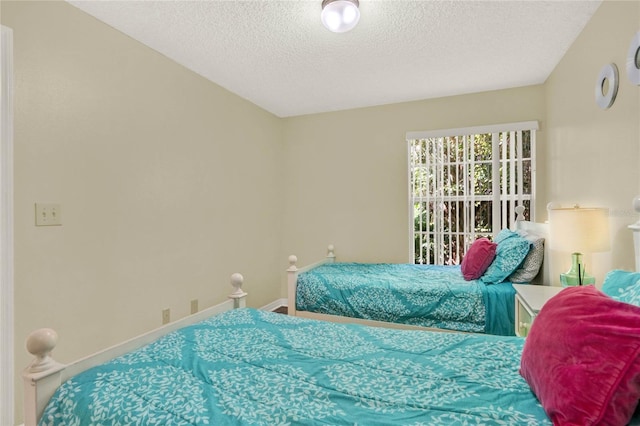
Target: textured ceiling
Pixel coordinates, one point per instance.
(278, 55)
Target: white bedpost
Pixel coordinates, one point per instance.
(239, 296)
(42, 377)
(331, 256)
(292, 281)
(635, 228)
(519, 217)
(292, 277)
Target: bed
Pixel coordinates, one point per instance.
(423, 296)
(244, 366)
(263, 368)
(44, 375)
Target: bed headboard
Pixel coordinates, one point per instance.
(541, 229)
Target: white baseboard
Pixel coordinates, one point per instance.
(274, 305)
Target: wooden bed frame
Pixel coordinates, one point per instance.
(541, 229)
(44, 375)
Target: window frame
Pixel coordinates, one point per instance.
(499, 209)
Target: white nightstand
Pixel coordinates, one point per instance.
(529, 301)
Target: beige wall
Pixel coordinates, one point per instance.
(168, 184)
(593, 154)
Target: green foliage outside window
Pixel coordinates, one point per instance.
(444, 172)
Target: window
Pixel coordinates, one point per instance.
(466, 183)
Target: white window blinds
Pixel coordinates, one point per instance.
(466, 183)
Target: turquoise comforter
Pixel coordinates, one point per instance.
(424, 295)
(249, 367)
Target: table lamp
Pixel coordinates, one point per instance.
(581, 232)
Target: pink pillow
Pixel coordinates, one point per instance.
(581, 358)
(478, 258)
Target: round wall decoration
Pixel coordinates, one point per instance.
(607, 86)
(633, 60)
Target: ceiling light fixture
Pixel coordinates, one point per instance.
(340, 16)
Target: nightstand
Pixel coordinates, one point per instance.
(529, 301)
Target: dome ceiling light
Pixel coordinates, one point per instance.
(340, 16)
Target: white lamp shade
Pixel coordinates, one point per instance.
(340, 16)
(582, 230)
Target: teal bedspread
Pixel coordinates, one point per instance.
(424, 295)
(249, 367)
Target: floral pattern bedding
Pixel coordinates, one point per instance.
(423, 295)
(250, 367)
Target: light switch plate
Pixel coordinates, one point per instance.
(48, 214)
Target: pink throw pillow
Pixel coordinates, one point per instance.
(581, 358)
(478, 258)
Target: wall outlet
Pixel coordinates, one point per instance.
(48, 214)
(166, 316)
(194, 306)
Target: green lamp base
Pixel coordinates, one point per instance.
(568, 280)
(576, 275)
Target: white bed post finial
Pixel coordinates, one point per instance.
(238, 294)
(519, 216)
(636, 233)
(292, 282)
(636, 207)
(42, 376)
(292, 263)
(40, 343)
(330, 252)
